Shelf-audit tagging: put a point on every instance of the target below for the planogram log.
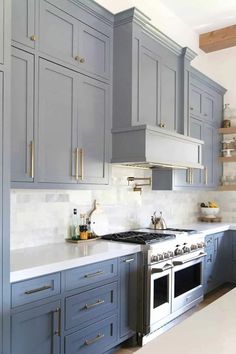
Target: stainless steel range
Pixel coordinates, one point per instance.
(172, 274)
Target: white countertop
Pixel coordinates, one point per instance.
(212, 330)
(36, 261)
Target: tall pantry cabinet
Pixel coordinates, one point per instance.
(5, 35)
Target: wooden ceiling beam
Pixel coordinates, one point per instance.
(218, 39)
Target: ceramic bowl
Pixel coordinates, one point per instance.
(210, 212)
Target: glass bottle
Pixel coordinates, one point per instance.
(227, 111)
(74, 225)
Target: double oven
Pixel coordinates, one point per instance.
(172, 287)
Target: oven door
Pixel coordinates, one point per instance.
(160, 291)
(187, 280)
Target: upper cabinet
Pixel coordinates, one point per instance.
(23, 22)
(147, 76)
(66, 34)
(22, 116)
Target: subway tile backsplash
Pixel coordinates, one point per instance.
(41, 217)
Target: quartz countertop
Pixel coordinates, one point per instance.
(212, 330)
(36, 261)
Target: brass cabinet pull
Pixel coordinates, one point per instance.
(191, 108)
(162, 125)
(91, 341)
(77, 164)
(91, 275)
(58, 330)
(32, 149)
(191, 176)
(33, 38)
(206, 175)
(128, 260)
(81, 164)
(45, 287)
(89, 306)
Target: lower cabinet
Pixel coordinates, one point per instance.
(36, 330)
(128, 296)
(90, 319)
(216, 261)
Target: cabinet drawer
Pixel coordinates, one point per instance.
(35, 289)
(209, 241)
(84, 307)
(97, 338)
(90, 274)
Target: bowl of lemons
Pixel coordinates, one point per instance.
(210, 209)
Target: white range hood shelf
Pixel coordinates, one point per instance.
(147, 146)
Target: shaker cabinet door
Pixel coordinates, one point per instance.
(93, 132)
(58, 35)
(57, 124)
(94, 51)
(23, 22)
(34, 331)
(149, 87)
(22, 117)
(208, 156)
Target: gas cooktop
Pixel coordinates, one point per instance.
(139, 237)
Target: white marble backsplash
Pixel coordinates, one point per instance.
(41, 217)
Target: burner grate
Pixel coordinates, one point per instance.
(138, 237)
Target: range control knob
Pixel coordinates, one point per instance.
(166, 255)
(201, 245)
(154, 259)
(178, 251)
(171, 254)
(193, 247)
(186, 249)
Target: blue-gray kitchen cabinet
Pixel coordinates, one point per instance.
(56, 143)
(22, 116)
(128, 289)
(216, 266)
(64, 37)
(37, 330)
(232, 256)
(5, 103)
(23, 22)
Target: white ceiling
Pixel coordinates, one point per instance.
(204, 15)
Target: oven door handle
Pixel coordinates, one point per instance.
(201, 255)
(159, 270)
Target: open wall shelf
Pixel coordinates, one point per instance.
(231, 187)
(227, 159)
(231, 130)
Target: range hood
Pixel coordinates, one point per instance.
(148, 147)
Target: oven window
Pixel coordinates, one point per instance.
(161, 293)
(187, 279)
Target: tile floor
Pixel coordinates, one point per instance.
(214, 295)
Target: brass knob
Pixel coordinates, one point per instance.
(205, 114)
(162, 125)
(79, 59)
(33, 38)
(191, 108)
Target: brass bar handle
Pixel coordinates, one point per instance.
(81, 164)
(206, 174)
(191, 176)
(32, 163)
(201, 255)
(188, 176)
(89, 306)
(128, 260)
(160, 270)
(77, 164)
(91, 341)
(91, 275)
(45, 287)
(58, 330)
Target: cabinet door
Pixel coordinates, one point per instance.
(23, 22)
(128, 295)
(208, 107)
(22, 116)
(58, 33)
(57, 123)
(2, 282)
(208, 151)
(94, 51)
(149, 90)
(195, 99)
(169, 97)
(36, 330)
(1, 31)
(93, 130)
